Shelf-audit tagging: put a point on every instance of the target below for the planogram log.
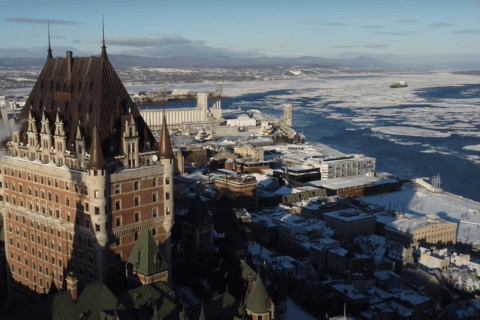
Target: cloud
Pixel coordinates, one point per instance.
(371, 26)
(315, 21)
(41, 21)
(466, 31)
(35, 52)
(406, 21)
(375, 46)
(59, 37)
(395, 33)
(344, 47)
(75, 41)
(441, 25)
(175, 45)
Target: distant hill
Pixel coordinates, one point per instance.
(122, 60)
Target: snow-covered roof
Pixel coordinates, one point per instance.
(344, 182)
(349, 291)
(347, 215)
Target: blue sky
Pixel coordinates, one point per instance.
(242, 28)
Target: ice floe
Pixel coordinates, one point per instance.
(411, 131)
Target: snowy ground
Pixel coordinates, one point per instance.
(454, 208)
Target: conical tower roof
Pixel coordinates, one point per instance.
(197, 214)
(202, 314)
(96, 158)
(165, 147)
(257, 299)
(144, 257)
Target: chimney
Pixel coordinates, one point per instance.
(72, 287)
(69, 63)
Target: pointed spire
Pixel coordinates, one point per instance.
(50, 56)
(202, 314)
(96, 158)
(165, 147)
(104, 48)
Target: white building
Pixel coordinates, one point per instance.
(345, 166)
(242, 120)
(181, 116)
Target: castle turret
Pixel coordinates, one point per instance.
(96, 189)
(166, 158)
(258, 303)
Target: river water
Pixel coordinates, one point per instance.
(402, 155)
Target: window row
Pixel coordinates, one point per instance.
(136, 185)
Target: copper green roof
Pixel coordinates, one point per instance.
(156, 298)
(222, 307)
(95, 297)
(257, 299)
(246, 271)
(144, 258)
(165, 310)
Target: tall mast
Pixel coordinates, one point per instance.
(104, 48)
(50, 56)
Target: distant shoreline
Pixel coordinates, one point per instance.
(468, 73)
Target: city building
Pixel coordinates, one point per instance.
(82, 176)
(345, 166)
(249, 151)
(238, 188)
(242, 120)
(350, 222)
(416, 231)
(181, 117)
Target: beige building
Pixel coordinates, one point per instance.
(249, 151)
(428, 230)
(238, 188)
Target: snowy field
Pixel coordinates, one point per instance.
(450, 207)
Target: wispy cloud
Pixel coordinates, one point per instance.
(75, 41)
(441, 25)
(41, 21)
(316, 21)
(344, 47)
(41, 52)
(176, 45)
(406, 21)
(467, 31)
(58, 37)
(371, 26)
(395, 33)
(375, 46)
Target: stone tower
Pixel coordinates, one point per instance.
(287, 114)
(166, 157)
